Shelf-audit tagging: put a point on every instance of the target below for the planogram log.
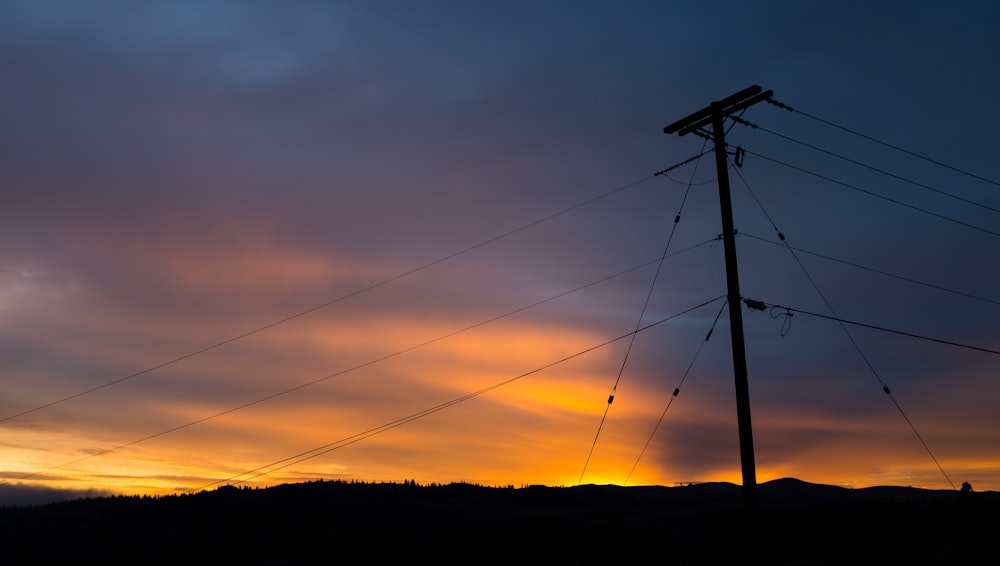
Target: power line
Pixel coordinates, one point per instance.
(339, 299)
(676, 392)
(873, 270)
(886, 144)
(885, 388)
(330, 447)
(870, 193)
(850, 337)
(884, 329)
(642, 313)
(685, 162)
(865, 165)
(365, 364)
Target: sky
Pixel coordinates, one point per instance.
(254, 242)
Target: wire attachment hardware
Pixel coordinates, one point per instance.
(743, 122)
(779, 104)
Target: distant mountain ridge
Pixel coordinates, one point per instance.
(788, 492)
(784, 491)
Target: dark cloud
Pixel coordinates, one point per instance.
(175, 175)
(20, 495)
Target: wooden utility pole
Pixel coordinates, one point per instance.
(714, 115)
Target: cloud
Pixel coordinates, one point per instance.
(338, 217)
(22, 495)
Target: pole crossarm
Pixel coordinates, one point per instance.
(729, 105)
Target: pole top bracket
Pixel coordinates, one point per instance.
(722, 108)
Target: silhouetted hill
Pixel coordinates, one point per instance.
(389, 523)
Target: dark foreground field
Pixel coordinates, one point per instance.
(388, 523)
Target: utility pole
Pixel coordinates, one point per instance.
(715, 115)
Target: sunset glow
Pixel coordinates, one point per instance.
(259, 244)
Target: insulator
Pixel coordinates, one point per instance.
(886, 389)
(676, 391)
(611, 399)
